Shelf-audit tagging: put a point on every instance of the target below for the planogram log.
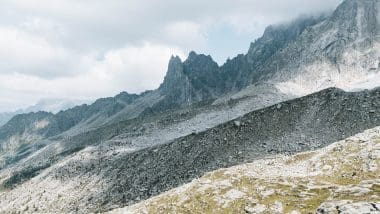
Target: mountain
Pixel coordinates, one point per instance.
(344, 45)
(196, 79)
(247, 69)
(47, 105)
(53, 105)
(341, 51)
(275, 99)
(27, 130)
(199, 78)
(5, 117)
(276, 184)
(292, 59)
(100, 178)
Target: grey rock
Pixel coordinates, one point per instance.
(163, 167)
(237, 123)
(347, 207)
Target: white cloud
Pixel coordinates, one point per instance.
(22, 52)
(133, 69)
(185, 34)
(86, 49)
(136, 68)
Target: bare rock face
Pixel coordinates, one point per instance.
(355, 23)
(196, 79)
(174, 75)
(341, 51)
(348, 207)
(358, 19)
(246, 69)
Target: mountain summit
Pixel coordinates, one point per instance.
(195, 80)
(300, 57)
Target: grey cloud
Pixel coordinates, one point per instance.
(99, 24)
(62, 40)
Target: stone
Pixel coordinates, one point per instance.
(347, 207)
(237, 123)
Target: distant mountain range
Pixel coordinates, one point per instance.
(272, 100)
(47, 105)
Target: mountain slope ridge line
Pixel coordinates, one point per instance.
(294, 126)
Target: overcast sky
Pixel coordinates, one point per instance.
(87, 49)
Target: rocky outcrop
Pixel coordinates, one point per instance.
(195, 80)
(357, 19)
(349, 207)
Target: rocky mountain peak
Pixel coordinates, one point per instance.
(173, 75)
(276, 37)
(192, 56)
(195, 58)
(360, 18)
(174, 60)
(126, 97)
(196, 79)
(195, 67)
(200, 64)
(175, 66)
